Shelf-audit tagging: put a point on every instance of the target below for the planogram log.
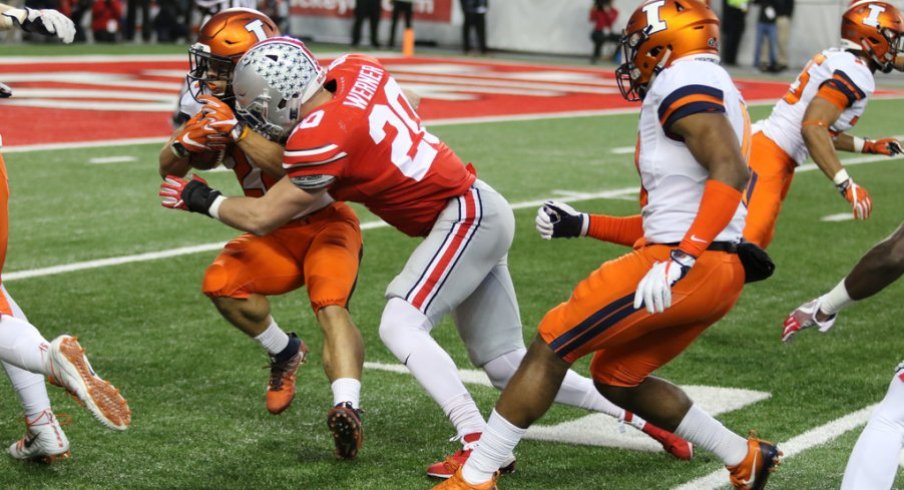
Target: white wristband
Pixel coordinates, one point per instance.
(215, 207)
(858, 144)
(841, 177)
(585, 223)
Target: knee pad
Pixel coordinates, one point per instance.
(400, 325)
(501, 369)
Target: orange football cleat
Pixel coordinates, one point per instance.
(348, 433)
(761, 460)
(457, 482)
(281, 388)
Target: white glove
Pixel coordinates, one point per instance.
(805, 317)
(46, 21)
(558, 220)
(655, 289)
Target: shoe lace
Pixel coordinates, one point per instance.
(277, 373)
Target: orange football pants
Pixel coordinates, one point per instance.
(771, 172)
(4, 230)
(322, 251)
(630, 344)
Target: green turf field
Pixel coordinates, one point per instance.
(196, 384)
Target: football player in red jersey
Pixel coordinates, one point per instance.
(26, 356)
(351, 131)
(319, 247)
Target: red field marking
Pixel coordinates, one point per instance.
(92, 99)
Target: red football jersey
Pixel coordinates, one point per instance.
(368, 146)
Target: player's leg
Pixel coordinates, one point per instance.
(535, 385)
(468, 239)
(44, 439)
(237, 282)
(331, 270)
(494, 303)
(771, 172)
(881, 266)
(622, 369)
(875, 458)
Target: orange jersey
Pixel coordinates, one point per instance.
(4, 228)
(368, 146)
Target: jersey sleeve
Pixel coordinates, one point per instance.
(687, 100)
(314, 156)
(841, 90)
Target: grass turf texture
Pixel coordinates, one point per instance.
(196, 384)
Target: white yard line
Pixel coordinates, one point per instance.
(117, 159)
(175, 252)
(792, 447)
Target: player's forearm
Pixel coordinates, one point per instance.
(248, 214)
(822, 150)
(623, 230)
(265, 154)
(844, 142)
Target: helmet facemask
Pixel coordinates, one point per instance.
(212, 73)
(628, 76)
(895, 47)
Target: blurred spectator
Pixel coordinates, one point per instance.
(76, 11)
(603, 16)
(278, 10)
(765, 33)
(105, 18)
(784, 9)
(400, 8)
(132, 19)
(367, 10)
(207, 8)
(169, 24)
(475, 18)
(734, 20)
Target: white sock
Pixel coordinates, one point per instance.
(22, 345)
(31, 389)
(346, 390)
(29, 386)
(273, 339)
(464, 415)
(576, 390)
(703, 430)
(835, 300)
(406, 333)
(494, 449)
(875, 458)
(633, 419)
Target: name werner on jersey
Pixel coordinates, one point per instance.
(364, 88)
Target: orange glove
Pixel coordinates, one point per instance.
(223, 118)
(196, 136)
(854, 194)
(884, 146)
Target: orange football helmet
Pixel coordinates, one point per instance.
(221, 42)
(876, 29)
(659, 32)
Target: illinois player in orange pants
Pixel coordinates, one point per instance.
(319, 248)
(27, 357)
(637, 312)
(827, 99)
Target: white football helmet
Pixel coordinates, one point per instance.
(271, 82)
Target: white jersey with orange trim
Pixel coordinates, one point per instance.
(672, 179)
(844, 73)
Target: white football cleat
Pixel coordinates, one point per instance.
(805, 317)
(44, 440)
(70, 369)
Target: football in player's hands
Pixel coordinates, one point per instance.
(207, 159)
